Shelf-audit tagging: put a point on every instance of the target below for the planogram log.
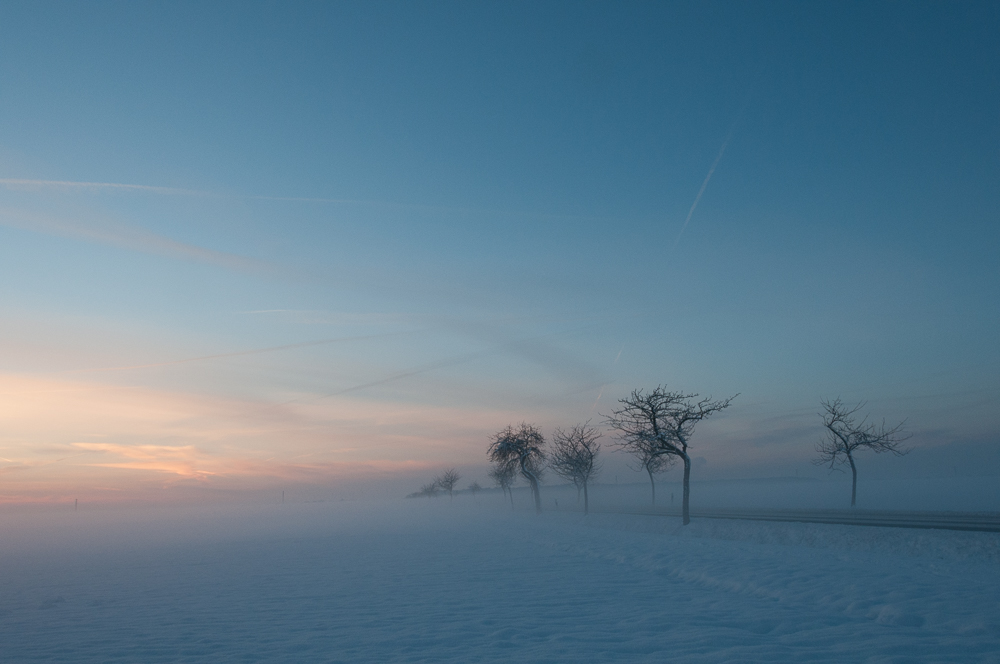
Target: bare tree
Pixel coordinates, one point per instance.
(503, 477)
(574, 457)
(426, 491)
(474, 488)
(845, 435)
(648, 458)
(448, 480)
(664, 421)
(521, 449)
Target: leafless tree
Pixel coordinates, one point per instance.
(474, 488)
(574, 457)
(647, 457)
(664, 421)
(503, 477)
(521, 449)
(845, 435)
(427, 490)
(448, 480)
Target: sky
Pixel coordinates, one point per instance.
(248, 247)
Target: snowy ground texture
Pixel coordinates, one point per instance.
(470, 581)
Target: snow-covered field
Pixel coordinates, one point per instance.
(468, 580)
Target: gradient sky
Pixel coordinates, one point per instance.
(247, 246)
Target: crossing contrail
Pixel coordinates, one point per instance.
(439, 364)
(516, 346)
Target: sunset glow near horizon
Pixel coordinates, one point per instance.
(250, 247)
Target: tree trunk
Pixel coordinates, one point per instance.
(854, 480)
(586, 501)
(652, 484)
(511, 492)
(533, 481)
(687, 490)
(538, 495)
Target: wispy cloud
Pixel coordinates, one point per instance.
(183, 460)
(325, 317)
(130, 237)
(25, 184)
(47, 420)
(252, 351)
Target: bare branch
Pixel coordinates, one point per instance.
(502, 476)
(659, 424)
(574, 456)
(426, 491)
(846, 435)
(448, 480)
(520, 448)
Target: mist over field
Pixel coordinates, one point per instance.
(470, 579)
(364, 331)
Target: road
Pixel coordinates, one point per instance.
(971, 521)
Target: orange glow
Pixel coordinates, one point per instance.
(60, 436)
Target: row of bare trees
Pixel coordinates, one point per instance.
(656, 427)
(446, 481)
(521, 450)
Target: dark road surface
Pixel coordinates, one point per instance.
(971, 521)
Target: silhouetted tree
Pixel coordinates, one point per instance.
(427, 491)
(503, 477)
(448, 480)
(474, 488)
(648, 458)
(574, 457)
(845, 436)
(664, 421)
(523, 449)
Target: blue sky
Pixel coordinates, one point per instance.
(479, 209)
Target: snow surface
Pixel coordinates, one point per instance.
(469, 580)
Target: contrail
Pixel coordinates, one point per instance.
(535, 350)
(440, 364)
(432, 366)
(254, 351)
(599, 395)
(704, 185)
(14, 183)
(66, 184)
